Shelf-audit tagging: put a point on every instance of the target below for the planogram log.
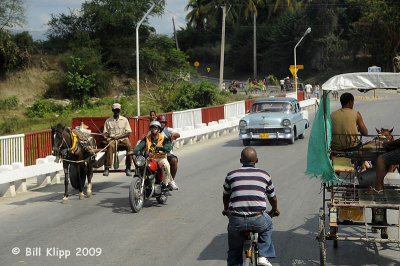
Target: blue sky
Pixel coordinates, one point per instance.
(38, 13)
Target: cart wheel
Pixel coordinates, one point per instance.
(321, 238)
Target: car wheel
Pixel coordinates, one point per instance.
(291, 140)
(301, 136)
(246, 142)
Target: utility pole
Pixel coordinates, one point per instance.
(137, 55)
(254, 46)
(221, 65)
(176, 37)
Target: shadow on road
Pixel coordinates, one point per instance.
(121, 205)
(271, 142)
(299, 246)
(217, 249)
(55, 192)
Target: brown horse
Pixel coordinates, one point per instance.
(385, 135)
(77, 163)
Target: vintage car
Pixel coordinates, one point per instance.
(274, 118)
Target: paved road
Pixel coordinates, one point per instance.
(189, 229)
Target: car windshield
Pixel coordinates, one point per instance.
(270, 107)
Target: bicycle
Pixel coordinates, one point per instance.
(250, 246)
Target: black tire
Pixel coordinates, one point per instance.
(291, 140)
(135, 199)
(321, 238)
(253, 256)
(301, 136)
(162, 199)
(246, 142)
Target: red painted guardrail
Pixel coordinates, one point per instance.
(36, 145)
(212, 113)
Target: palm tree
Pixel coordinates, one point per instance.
(251, 7)
(197, 16)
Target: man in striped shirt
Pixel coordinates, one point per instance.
(245, 203)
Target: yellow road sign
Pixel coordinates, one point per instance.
(196, 64)
(291, 68)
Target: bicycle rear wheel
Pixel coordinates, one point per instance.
(250, 255)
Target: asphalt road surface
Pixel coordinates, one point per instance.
(189, 229)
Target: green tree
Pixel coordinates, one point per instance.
(377, 30)
(11, 56)
(79, 84)
(106, 25)
(12, 13)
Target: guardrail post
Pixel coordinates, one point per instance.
(44, 179)
(8, 189)
(20, 185)
(55, 176)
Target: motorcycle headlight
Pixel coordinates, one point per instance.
(286, 122)
(140, 160)
(242, 123)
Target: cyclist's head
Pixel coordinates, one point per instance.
(248, 156)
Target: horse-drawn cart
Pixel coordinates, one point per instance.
(346, 181)
(95, 126)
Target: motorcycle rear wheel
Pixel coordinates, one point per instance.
(135, 198)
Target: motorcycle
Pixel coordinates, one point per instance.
(147, 182)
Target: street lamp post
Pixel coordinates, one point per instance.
(295, 66)
(137, 54)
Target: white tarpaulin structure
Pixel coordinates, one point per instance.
(363, 80)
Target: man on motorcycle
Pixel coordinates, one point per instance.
(159, 146)
(172, 159)
(244, 199)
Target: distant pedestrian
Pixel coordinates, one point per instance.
(308, 90)
(316, 91)
(281, 82)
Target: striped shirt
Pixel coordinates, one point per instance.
(247, 187)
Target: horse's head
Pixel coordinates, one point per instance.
(385, 133)
(57, 139)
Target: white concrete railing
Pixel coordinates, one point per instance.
(13, 178)
(185, 118)
(235, 109)
(12, 149)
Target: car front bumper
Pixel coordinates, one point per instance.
(266, 135)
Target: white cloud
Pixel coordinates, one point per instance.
(44, 19)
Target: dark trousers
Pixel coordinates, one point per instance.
(111, 149)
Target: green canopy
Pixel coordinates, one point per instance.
(318, 162)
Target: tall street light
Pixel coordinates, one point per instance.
(295, 66)
(137, 54)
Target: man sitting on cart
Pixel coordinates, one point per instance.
(117, 129)
(346, 123)
(391, 157)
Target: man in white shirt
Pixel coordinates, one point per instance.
(308, 90)
(117, 129)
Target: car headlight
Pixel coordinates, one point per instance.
(286, 122)
(242, 123)
(140, 160)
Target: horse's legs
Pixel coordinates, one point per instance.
(89, 175)
(81, 180)
(66, 182)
